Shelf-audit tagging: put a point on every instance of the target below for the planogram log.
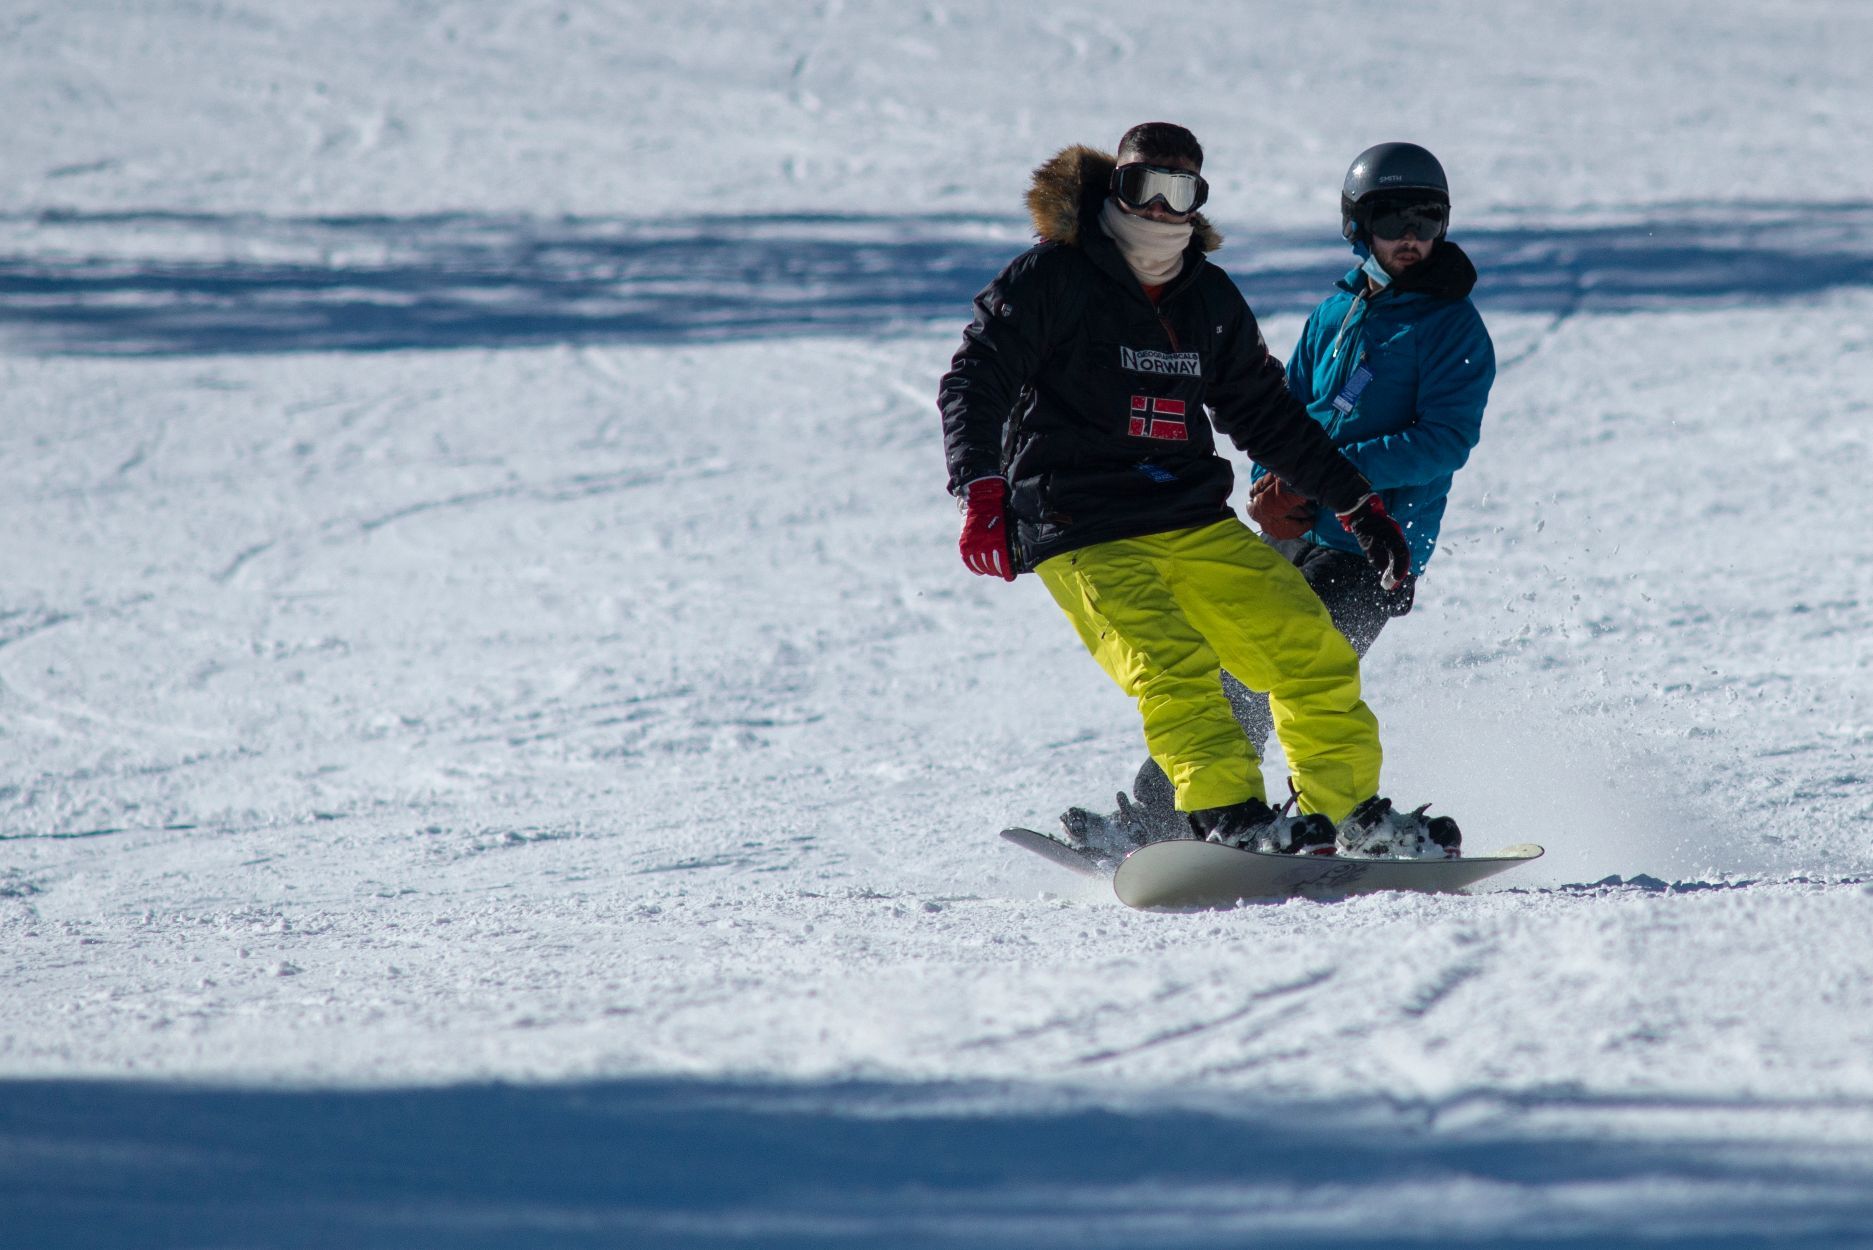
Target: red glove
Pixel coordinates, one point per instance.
(1380, 539)
(1279, 511)
(984, 541)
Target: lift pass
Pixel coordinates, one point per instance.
(1354, 388)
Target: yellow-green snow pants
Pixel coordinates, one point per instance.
(1166, 613)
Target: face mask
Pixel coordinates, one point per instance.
(1374, 270)
(1154, 250)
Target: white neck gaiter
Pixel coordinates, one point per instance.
(1153, 249)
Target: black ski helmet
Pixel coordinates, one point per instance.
(1383, 170)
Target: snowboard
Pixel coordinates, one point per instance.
(1088, 861)
(1188, 873)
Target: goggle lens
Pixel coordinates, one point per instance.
(1141, 186)
(1424, 218)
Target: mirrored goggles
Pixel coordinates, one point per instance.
(1141, 186)
(1391, 219)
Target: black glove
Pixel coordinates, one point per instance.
(1380, 540)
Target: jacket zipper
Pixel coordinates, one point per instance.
(1169, 333)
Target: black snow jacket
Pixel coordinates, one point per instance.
(1097, 405)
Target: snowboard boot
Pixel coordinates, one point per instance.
(1150, 816)
(1254, 826)
(1153, 805)
(1083, 827)
(1376, 831)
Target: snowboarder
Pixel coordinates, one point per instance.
(1075, 431)
(1396, 365)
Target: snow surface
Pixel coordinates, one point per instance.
(499, 749)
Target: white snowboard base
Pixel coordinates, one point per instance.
(1207, 874)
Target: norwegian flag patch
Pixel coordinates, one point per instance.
(1154, 417)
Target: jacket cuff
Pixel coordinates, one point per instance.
(962, 487)
(1347, 502)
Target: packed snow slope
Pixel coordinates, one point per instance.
(499, 748)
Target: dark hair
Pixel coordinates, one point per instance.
(1161, 140)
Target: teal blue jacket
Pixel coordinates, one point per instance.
(1411, 426)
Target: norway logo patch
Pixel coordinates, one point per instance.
(1170, 364)
(1153, 417)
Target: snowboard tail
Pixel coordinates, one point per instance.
(1087, 860)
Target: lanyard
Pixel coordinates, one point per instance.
(1359, 303)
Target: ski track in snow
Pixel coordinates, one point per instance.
(500, 750)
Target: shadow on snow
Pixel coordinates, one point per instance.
(692, 1164)
(188, 284)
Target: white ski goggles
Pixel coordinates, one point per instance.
(1139, 186)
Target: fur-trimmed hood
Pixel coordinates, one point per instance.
(1073, 184)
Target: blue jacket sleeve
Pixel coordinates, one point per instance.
(1456, 368)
